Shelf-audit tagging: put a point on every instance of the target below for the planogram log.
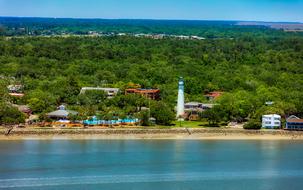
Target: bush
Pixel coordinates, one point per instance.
(162, 113)
(252, 124)
(41, 101)
(144, 116)
(10, 115)
(214, 116)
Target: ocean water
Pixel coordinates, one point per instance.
(151, 164)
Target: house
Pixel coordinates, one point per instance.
(192, 110)
(272, 121)
(294, 123)
(213, 95)
(153, 94)
(193, 105)
(110, 92)
(61, 113)
(15, 88)
(15, 91)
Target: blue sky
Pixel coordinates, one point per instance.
(252, 10)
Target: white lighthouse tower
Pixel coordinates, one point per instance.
(180, 105)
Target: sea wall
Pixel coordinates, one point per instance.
(176, 131)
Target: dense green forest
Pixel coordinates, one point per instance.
(249, 69)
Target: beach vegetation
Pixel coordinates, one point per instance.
(253, 125)
(145, 118)
(10, 115)
(163, 114)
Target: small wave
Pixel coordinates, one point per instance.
(170, 177)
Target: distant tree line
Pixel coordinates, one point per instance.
(209, 29)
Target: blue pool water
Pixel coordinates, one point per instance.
(152, 164)
(109, 122)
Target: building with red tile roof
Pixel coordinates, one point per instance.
(153, 94)
(213, 95)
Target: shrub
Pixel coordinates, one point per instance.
(144, 116)
(162, 113)
(10, 115)
(252, 124)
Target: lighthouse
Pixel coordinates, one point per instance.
(180, 105)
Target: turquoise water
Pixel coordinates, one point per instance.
(150, 165)
(95, 121)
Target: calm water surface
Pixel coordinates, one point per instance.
(152, 164)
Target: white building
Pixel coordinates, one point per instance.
(272, 121)
(111, 92)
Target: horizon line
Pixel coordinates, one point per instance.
(158, 19)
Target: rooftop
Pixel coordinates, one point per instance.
(193, 104)
(143, 90)
(62, 112)
(214, 94)
(98, 88)
(17, 94)
(272, 115)
(294, 119)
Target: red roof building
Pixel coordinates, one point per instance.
(213, 95)
(153, 94)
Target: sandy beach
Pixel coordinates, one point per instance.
(132, 134)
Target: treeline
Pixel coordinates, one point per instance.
(250, 70)
(10, 26)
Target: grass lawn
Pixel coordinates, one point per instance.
(190, 124)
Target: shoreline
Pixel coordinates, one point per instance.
(149, 134)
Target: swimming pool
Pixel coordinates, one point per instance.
(95, 121)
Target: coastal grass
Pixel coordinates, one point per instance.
(196, 124)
